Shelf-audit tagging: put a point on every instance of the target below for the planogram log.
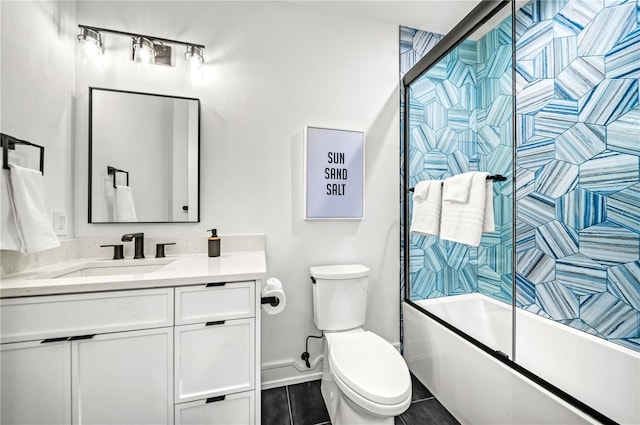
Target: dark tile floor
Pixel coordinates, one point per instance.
(302, 404)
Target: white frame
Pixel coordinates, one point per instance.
(358, 199)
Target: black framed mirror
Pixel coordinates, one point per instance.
(144, 157)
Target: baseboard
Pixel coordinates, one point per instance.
(290, 372)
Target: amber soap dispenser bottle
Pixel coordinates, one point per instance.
(214, 243)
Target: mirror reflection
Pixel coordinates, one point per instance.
(143, 157)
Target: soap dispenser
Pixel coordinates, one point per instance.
(214, 243)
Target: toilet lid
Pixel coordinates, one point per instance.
(371, 367)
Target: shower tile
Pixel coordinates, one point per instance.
(460, 73)
(416, 259)
(544, 63)
(557, 300)
(623, 134)
(525, 291)
(458, 119)
(457, 256)
(535, 266)
(556, 117)
(623, 208)
(609, 172)
(623, 61)
(435, 257)
(489, 282)
(499, 62)
(604, 31)
(467, 97)
(467, 52)
(406, 39)
(447, 94)
(488, 139)
(631, 343)
(458, 163)
(435, 163)
(435, 116)
(580, 209)
(536, 309)
(549, 8)
(625, 283)
(610, 316)
(536, 209)
(565, 50)
(557, 240)
(581, 274)
(499, 111)
(581, 76)
(535, 96)
(608, 100)
(580, 143)
(534, 39)
(423, 90)
(424, 283)
(524, 74)
(556, 178)
(581, 326)
(424, 41)
(610, 244)
(499, 160)
(423, 138)
(416, 113)
(416, 162)
(446, 140)
(533, 155)
(575, 15)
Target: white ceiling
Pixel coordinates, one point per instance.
(438, 16)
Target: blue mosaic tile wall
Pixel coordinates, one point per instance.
(578, 165)
(460, 121)
(577, 241)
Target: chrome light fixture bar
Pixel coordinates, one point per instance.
(144, 48)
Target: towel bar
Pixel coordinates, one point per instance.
(10, 142)
(496, 177)
(112, 172)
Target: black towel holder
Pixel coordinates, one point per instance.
(495, 177)
(10, 142)
(112, 172)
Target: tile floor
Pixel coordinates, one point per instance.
(302, 404)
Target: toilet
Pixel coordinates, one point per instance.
(365, 380)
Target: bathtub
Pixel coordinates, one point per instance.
(480, 389)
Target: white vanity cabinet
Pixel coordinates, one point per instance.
(178, 354)
(215, 354)
(87, 358)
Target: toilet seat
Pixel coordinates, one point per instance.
(371, 372)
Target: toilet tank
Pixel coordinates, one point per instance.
(339, 296)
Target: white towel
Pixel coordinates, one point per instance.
(124, 208)
(427, 204)
(9, 237)
(26, 197)
(464, 222)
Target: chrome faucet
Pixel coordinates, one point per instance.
(138, 241)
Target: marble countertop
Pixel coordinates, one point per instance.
(180, 270)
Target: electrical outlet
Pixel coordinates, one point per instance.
(60, 222)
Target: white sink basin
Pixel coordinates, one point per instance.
(108, 268)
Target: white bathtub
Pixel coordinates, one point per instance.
(478, 389)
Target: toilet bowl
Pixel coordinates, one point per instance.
(365, 380)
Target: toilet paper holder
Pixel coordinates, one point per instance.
(274, 301)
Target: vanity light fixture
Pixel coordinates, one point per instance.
(91, 44)
(144, 48)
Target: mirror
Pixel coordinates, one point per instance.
(144, 153)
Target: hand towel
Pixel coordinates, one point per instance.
(9, 237)
(427, 204)
(457, 188)
(124, 208)
(464, 222)
(32, 221)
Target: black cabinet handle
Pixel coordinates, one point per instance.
(218, 322)
(78, 337)
(212, 284)
(214, 399)
(62, 338)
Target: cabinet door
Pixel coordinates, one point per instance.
(123, 378)
(35, 383)
(236, 409)
(214, 359)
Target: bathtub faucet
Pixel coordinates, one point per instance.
(138, 241)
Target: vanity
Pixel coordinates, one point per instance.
(151, 341)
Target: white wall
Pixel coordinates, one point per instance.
(37, 50)
(272, 68)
